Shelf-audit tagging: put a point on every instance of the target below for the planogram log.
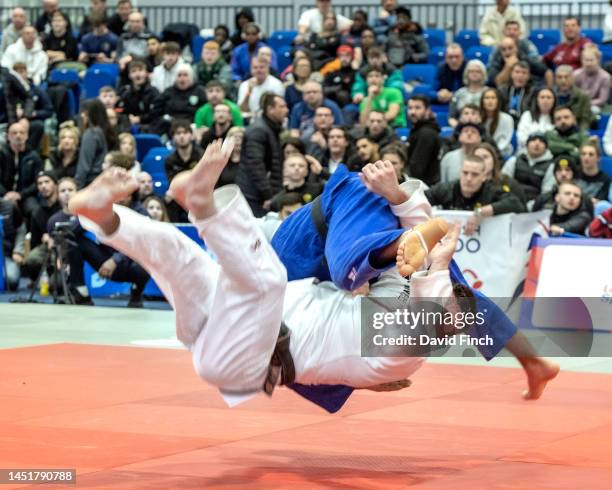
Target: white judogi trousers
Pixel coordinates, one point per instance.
(228, 313)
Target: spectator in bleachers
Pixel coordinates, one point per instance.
(423, 142)
(386, 20)
(215, 94)
(295, 174)
(595, 184)
(222, 38)
(47, 206)
(230, 171)
(44, 22)
(164, 74)
(301, 74)
(381, 98)
(321, 46)
(494, 21)
(367, 151)
(59, 43)
(242, 18)
(593, 79)
(12, 33)
(315, 137)
(367, 41)
(473, 192)
(500, 69)
(99, 45)
(251, 90)
(376, 59)
(498, 124)
(145, 185)
(474, 81)
(312, 20)
(539, 117)
(98, 139)
(269, 223)
(64, 158)
(469, 136)
(212, 66)
(405, 42)
(25, 100)
(338, 151)
(303, 113)
(601, 226)
(396, 154)
(222, 122)
(569, 50)
(186, 153)
(533, 167)
(566, 137)
(526, 49)
(10, 220)
(118, 21)
(569, 95)
(97, 8)
(569, 216)
(244, 54)
(492, 161)
(450, 73)
(28, 50)
(338, 83)
(360, 23)
(469, 114)
(181, 101)
(154, 56)
(517, 94)
(377, 129)
(127, 146)
(133, 43)
(564, 170)
(136, 99)
(156, 209)
(118, 120)
(19, 166)
(260, 171)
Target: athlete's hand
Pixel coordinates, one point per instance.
(381, 179)
(441, 255)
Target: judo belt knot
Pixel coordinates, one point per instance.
(281, 363)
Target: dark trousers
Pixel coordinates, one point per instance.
(96, 254)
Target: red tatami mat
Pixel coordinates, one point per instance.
(139, 418)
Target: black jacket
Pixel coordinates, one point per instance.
(574, 222)
(58, 165)
(174, 103)
(11, 220)
(337, 85)
(423, 151)
(24, 179)
(40, 217)
(523, 97)
(260, 174)
(138, 101)
(35, 103)
(448, 195)
(175, 164)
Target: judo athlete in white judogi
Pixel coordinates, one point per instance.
(229, 312)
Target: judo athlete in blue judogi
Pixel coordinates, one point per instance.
(339, 237)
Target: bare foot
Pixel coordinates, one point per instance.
(391, 386)
(95, 201)
(413, 249)
(539, 372)
(193, 189)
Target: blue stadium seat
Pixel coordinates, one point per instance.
(481, 53)
(421, 73)
(403, 133)
(284, 58)
(442, 118)
(424, 89)
(606, 165)
(544, 39)
(111, 68)
(145, 143)
(602, 122)
(94, 80)
(606, 52)
(280, 39)
(467, 38)
(435, 37)
(595, 35)
(64, 75)
(447, 132)
(197, 44)
(436, 55)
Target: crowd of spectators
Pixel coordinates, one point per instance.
(517, 137)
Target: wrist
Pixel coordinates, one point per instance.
(397, 196)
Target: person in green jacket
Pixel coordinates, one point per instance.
(212, 66)
(567, 137)
(215, 94)
(568, 94)
(387, 100)
(376, 59)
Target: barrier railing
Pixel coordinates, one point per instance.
(283, 14)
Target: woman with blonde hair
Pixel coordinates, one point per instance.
(156, 209)
(64, 159)
(127, 146)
